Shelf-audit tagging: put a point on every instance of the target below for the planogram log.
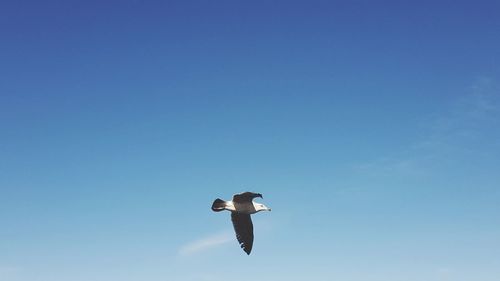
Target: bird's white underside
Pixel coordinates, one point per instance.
(245, 208)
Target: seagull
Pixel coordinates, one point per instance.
(241, 207)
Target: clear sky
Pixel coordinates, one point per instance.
(372, 130)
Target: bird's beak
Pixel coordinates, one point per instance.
(260, 195)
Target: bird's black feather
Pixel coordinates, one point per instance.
(243, 227)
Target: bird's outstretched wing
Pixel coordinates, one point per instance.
(245, 197)
(243, 227)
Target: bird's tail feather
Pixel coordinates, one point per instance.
(218, 205)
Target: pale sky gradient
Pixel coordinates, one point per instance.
(372, 130)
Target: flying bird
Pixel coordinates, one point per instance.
(241, 207)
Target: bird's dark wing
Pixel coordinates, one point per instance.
(245, 197)
(243, 227)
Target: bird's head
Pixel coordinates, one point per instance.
(261, 207)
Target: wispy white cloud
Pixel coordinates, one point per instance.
(8, 272)
(206, 243)
(467, 118)
(461, 127)
(444, 273)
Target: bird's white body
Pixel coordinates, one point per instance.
(245, 207)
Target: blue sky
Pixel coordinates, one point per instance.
(371, 129)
